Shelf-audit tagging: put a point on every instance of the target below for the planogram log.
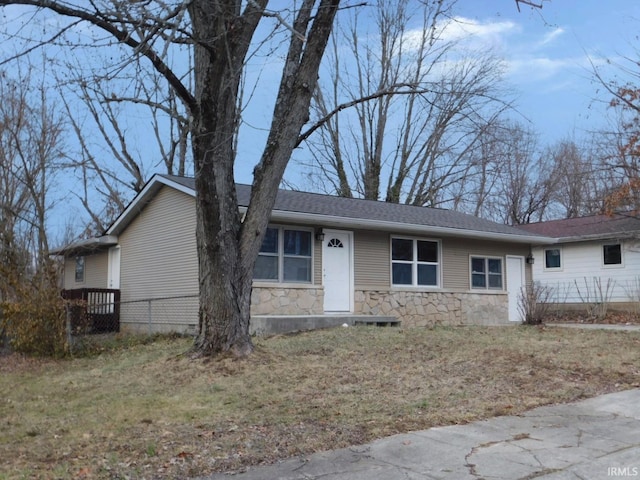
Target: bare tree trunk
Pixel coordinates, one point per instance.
(227, 248)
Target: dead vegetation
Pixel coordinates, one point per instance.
(613, 317)
(149, 412)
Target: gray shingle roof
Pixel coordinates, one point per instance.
(350, 208)
(594, 226)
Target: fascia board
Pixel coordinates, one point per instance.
(87, 244)
(322, 220)
(599, 236)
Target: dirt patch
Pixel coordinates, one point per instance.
(148, 412)
(612, 318)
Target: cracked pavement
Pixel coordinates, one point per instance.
(593, 439)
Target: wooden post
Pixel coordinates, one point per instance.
(67, 308)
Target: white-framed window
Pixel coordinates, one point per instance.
(553, 258)
(79, 272)
(612, 254)
(415, 262)
(285, 256)
(486, 273)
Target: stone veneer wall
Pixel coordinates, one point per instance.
(422, 309)
(287, 301)
(414, 309)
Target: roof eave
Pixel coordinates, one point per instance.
(158, 181)
(140, 201)
(331, 220)
(89, 245)
(598, 236)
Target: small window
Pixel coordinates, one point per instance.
(79, 270)
(285, 256)
(335, 243)
(297, 256)
(552, 258)
(612, 254)
(486, 273)
(414, 262)
(267, 264)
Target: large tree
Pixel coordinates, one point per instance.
(221, 34)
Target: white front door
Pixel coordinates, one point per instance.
(337, 271)
(113, 268)
(515, 282)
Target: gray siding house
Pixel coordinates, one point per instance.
(322, 255)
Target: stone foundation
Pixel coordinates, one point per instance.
(287, 301)
(422, 309)
(414, 309)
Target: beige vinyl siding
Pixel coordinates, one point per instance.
(456, 253)
(372, 258)
(372, 264)
(95, 271)
(158, 249)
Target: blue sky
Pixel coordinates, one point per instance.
(548, 52)
(547, 56)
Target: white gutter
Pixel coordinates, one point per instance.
(88, 244)
(321, 220)
(599, 236)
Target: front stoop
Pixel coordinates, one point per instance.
(265, 325)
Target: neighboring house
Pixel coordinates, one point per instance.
(321, 255)
(595, 259)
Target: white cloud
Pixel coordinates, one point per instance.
(538, 68)
(492, 32)
(466, 32)
(528, 56)
(551, 36)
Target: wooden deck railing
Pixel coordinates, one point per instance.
(93, 310)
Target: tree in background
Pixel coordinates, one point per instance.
(31, 148)
(515, 181)
(428, 100)
(109, 160)
(578, 190)
(623, 153)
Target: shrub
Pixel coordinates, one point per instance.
(34, 319)
(534, 303)
(596, 297)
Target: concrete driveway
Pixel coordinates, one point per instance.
(598, 438)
